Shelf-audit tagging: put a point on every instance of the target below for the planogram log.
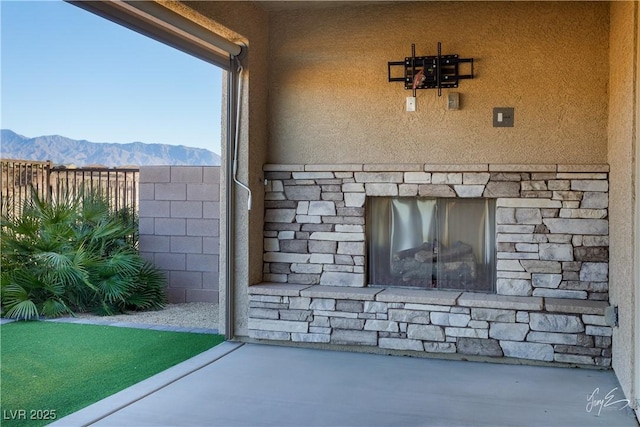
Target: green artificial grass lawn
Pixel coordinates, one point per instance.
(63, 367)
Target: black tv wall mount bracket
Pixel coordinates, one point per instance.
(430, 72)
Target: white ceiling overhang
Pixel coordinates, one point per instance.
(158, 22)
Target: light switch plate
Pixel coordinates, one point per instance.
(453, 101)
(503, 117)
(411, 103)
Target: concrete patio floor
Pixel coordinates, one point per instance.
(237, 384)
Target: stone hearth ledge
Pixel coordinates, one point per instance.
(341, 292)
(277, 289)
(403, 167)
(433, 297)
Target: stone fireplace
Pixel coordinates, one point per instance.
(480, 260)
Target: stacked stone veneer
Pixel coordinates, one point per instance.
(534, 328)
(552, 269)
(179, 228)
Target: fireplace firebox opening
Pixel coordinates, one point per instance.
(431, 243)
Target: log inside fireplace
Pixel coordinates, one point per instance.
(432, 264)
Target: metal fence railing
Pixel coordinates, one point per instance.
(21, 177)
(120, 186)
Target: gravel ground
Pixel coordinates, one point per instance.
(188, 315)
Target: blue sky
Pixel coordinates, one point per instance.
(65, 71)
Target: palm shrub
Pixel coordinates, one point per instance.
(74, 254)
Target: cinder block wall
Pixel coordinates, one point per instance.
(179, 228)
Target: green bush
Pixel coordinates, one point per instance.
(74, 254)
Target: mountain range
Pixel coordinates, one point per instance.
(67, 151)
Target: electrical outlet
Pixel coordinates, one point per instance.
(611, 315)
(411, 103)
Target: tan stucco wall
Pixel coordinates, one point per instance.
(330, 101)
(622, 103)
(248, 23)
(636, 282)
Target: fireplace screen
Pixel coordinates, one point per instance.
(432, 243)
